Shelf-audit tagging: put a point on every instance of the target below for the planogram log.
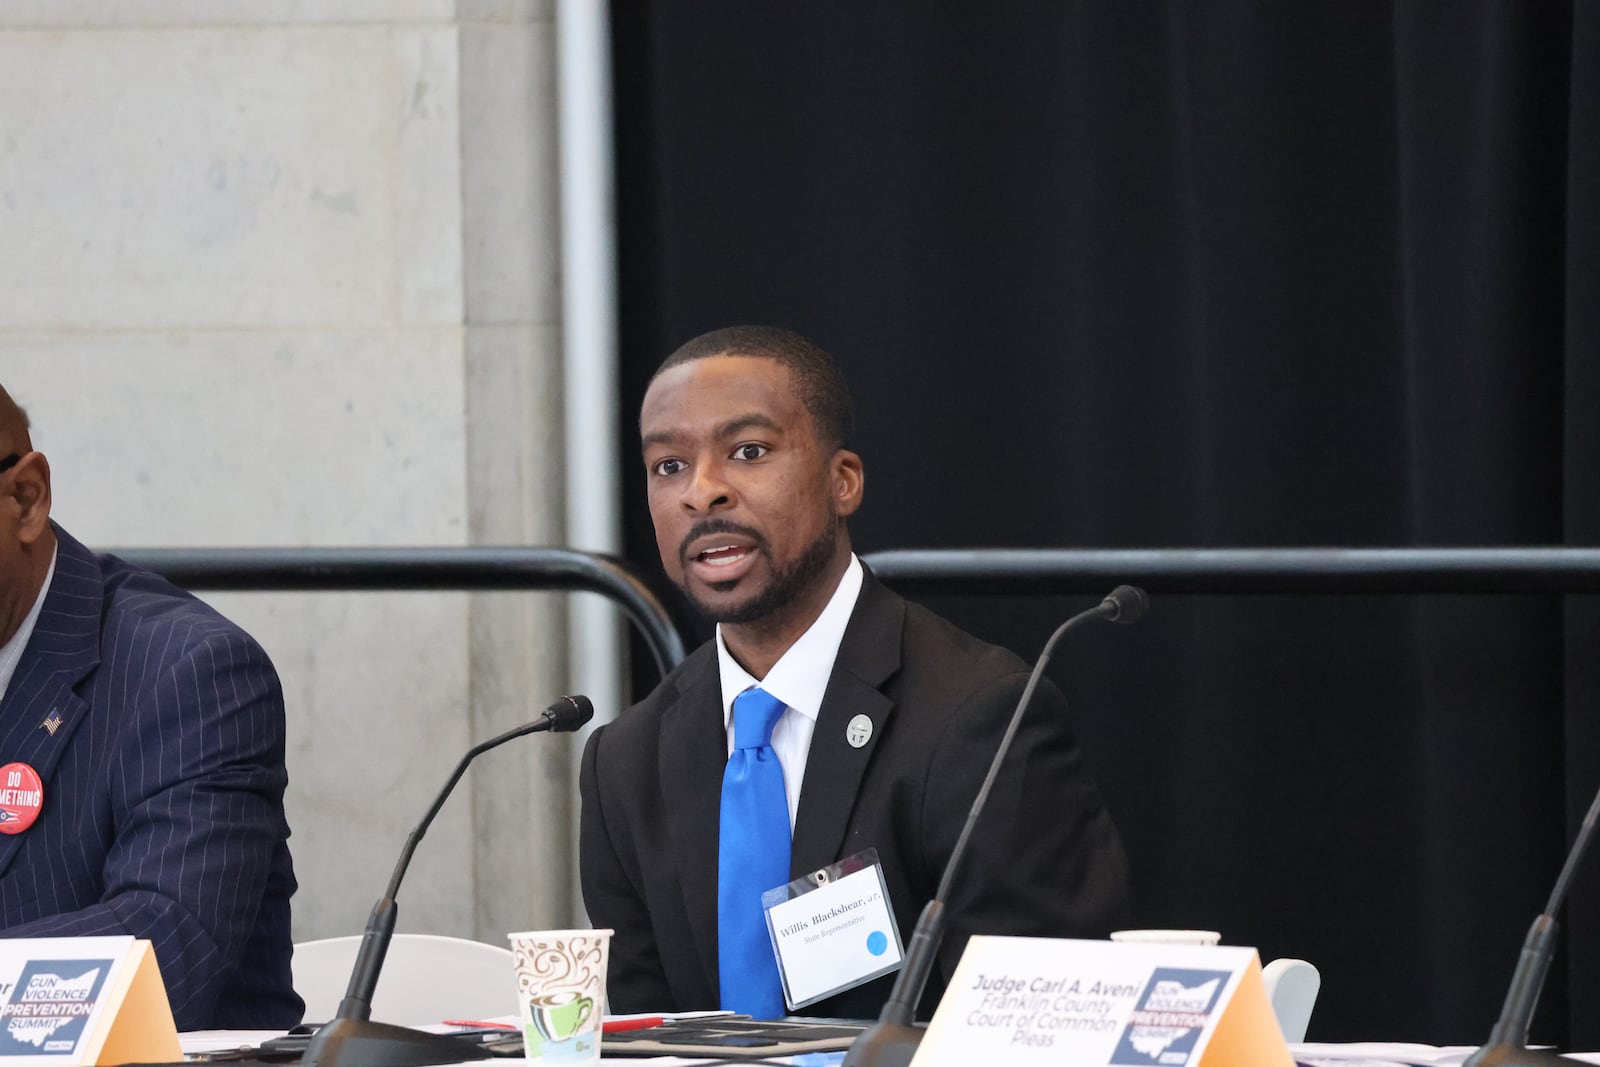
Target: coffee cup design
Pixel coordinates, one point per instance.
(561, 980)
(560, 1014)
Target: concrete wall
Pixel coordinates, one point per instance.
(285, 273)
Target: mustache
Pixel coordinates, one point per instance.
(716, 526)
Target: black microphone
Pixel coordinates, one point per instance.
(1508, 1040)
(352, 1039)
(893, 1039)
(1126, 604)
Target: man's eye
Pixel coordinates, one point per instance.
(668, 466)
(750, 451)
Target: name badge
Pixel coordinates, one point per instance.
(833, 929)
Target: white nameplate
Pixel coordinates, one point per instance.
(1033, 1002)
(83, 1000)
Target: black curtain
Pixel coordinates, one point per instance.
(1202, 274)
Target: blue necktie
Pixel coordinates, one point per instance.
(752, 857)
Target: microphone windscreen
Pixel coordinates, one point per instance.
(569, 713)
(1130, 603)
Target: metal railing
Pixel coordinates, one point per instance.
(1005, 571)
(1241, 570)
(412, 569)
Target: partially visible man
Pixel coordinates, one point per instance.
(156, 729)
(882, 716)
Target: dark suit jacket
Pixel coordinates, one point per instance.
(1045, 859)
(163, 789)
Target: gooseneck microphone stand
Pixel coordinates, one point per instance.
(893, 1039)
(352, 1039)
(1508, 1041)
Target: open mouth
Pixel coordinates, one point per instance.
(719, 553)
(718, 556)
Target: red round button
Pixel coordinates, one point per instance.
(21, 797)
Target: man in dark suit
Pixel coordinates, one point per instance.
(156, 729)
(889, 714)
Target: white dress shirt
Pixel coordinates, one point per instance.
(11, 651)
(799, 679)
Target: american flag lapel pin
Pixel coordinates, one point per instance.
(52, 722)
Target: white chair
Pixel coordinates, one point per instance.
(425, 979)
(1292, 987)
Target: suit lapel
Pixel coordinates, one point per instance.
(40, 710)
(868, 657)
(693, 751)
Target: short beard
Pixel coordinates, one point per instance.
(786, 585)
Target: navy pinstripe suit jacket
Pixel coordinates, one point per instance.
(163, 789)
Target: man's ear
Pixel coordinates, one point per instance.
(848, 482)
(30, 488)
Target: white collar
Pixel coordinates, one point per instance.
(800, 677)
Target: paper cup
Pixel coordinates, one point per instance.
(1167, 937)
(561, 991)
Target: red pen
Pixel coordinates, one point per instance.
(617, 1026)
(478, 1024)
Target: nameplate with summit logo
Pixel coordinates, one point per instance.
(1035, 1001)
(83, 1000)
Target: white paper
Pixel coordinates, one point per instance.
(1386, 1051)
(195, 1042)
(1368, 1053)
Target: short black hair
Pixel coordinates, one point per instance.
(14, 425)
(821, 384)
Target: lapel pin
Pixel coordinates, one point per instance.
(53, 722)
(859, 732)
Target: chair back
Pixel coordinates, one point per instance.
(1292, 987)
(426, 979)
